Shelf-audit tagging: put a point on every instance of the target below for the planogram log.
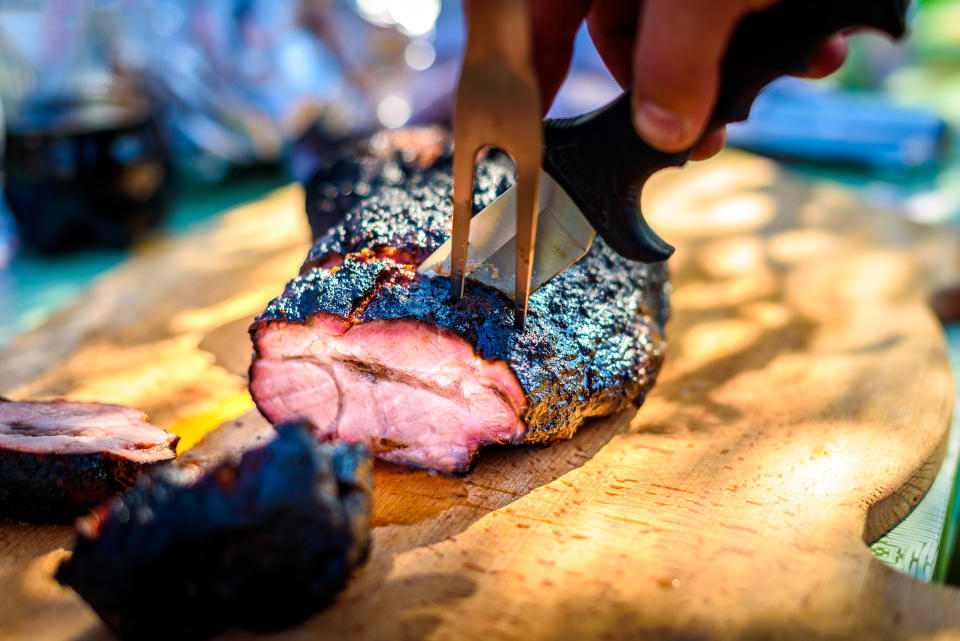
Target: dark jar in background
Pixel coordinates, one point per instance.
(86, 171)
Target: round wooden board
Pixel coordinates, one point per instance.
(802, 410)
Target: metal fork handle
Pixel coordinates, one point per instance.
(499, 31)
(497, 105)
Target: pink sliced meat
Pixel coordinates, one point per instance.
(414, 392)
(58, 459)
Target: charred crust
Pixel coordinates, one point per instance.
(594, 338)
(261, 541)
(57, 488)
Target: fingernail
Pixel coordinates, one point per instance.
(659, 127)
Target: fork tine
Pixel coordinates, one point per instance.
(528, 197)
(463, 171)
(497, 104)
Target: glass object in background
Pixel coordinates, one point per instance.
(85, 162)
(86, 170)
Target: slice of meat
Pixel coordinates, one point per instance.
(261, 541)
(59, 459)
(373, 353)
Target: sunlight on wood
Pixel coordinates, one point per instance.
(144, 376)
(192, 428)
(724, 293)
(706, 218)
(730, 171)
(717, 339)
(247, 303)
(37, 580)
(819, 470)
(796, 246)
(710, 199)
(769, 315)
(732, 256)
(873, 277)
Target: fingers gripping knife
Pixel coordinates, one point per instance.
(594, 165)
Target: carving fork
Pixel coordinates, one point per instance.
(497, 105)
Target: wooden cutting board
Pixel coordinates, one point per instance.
(802, 411)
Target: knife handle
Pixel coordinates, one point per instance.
(602, 163)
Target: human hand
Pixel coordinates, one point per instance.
(669, 51)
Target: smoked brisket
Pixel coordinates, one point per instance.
(372, 352)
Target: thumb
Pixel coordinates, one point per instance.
(676, 66)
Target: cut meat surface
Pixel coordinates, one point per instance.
(414, 392)
(69, 427)
(58, 459)
(372, 352)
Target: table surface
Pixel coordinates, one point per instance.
(35, 287)
(715, 511)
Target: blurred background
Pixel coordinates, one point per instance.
(126, 121)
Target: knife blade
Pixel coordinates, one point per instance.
(563, 236)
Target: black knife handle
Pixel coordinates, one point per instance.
(602, 163)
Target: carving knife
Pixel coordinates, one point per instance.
(595, 165)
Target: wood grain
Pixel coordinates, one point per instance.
(802, 411)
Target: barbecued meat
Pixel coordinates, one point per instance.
(261, 541)
(59, 459)
(372, 352)
(390, 158)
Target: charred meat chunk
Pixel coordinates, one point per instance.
(260, 541)
(371, 352)
(59, 459)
